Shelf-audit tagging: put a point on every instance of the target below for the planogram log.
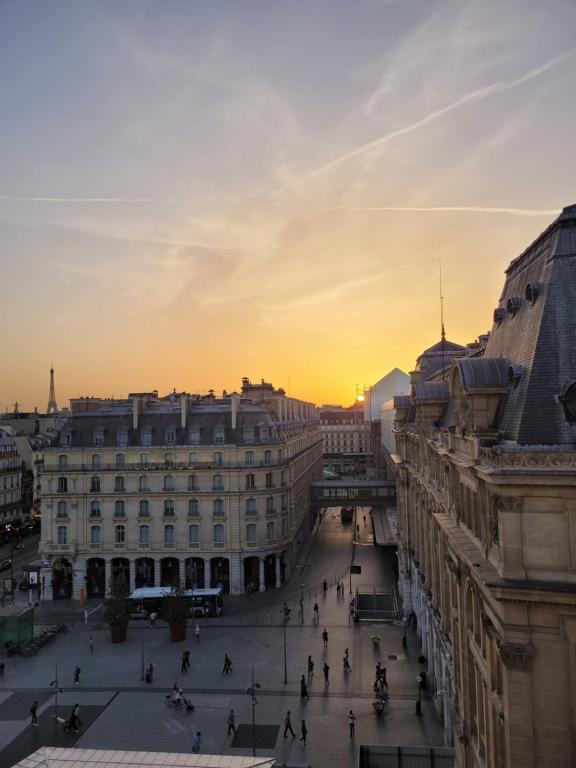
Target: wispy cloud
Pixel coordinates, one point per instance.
(470, 98)
(450, 209)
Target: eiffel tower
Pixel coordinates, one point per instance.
(52, 407)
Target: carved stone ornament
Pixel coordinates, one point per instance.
(487, 623)
(453, 567)
(508, 503)
(517, 657)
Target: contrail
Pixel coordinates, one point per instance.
(449, 209)
(160, 200)
(474, 96)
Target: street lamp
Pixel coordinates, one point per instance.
(284, 619)
(252, 692)
(419, 680)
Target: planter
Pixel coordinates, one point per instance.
(177, 632)
(118, 633)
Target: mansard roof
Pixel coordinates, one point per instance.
(431, 390)
(483, 373)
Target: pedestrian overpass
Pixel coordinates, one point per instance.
(353, 492)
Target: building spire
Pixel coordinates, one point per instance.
(52, 406)
(442, 330)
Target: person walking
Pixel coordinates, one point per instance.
(310, 667)
(304, 732)
(231, 722)
(324, 587)
(316, 613)
(227, 669)
(76, 711)
(77, 671)
(34, 713)
(346, 662)
(149, 676)
(197, 742)
(288, 725)
(185, 666)
(351, 721)
(325, 638)
(153, 616)
(197, 632)
(326, 670)
(91, 644)
(383, 677)
(303, 688)
(338, 590)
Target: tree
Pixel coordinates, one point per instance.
(117, 606)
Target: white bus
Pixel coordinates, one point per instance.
(203, 602)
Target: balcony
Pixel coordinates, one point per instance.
(70, 548)
(95, 545)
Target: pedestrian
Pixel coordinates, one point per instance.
(351, 721)
(383, 677)
(324, 586)
(310, 667)
(153, 616)
(304, 732)
(185, 666)
(77, 675)
(91, 644)
(325, 638)
(303, 688)
(72, 722)
(76, 711)
(316, 613)
(149, 676)
(227, 669)
(346, 662)
(231, 722)
(196, 742)
(34, 713)
(288, 725)
(197, 633)
(326, 670)
(2, 668)
(338, 589)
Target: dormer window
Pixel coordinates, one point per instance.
(218, 434)
(65, 439)
(98, 437)
(248, 434)
(194, 436)
(170, 436)
(146, 437)
(122, 437)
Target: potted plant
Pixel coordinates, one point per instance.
(175, 610)
(117, 609)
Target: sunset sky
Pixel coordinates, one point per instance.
(196, 191)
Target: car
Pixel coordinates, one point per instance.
(5, 565)
(139, 613)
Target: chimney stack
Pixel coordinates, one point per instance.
(235, 400)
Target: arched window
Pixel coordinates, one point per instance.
(95, 534)
(218, 506)
(251, 533)
(120, 461)
(119, 508)
(194, 534)
(218, 458)
(218, 483)
(169, 459)
(144, 534)
(95, 509)
(62, 534)
(250, 506)
(62, 509)
(168, 483)
(169, 507)
(193, 458)
(63, 461)
(96, 461)
(144, 508)
(119, 484)
(168, 534)
(193, 509)
(95, 484)
(218, 534)
(143, 483)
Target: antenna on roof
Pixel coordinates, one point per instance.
(443, 332)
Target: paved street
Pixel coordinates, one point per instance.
(120, 711)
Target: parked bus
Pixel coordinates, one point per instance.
(203, 602)
(346, 514)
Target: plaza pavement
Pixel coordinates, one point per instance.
(120, 711)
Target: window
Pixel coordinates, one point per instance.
(194, 436)
(168, 483)
(122, 437)
(270, 531)
(96, 461)
(270, 504)
(120, 461)
(95, 484)
(250, 481)
(65, 439)
(169, 507)
(143, 483)
(119, 484)
(169, 459)
(119, 534)
(218, 507)
(98, 437)
(95, 509)
(269, 480)
(193, 509)
(62, 534)
(62, 509)
(170, 436)
(251, 533)
(146, 437)
(193, 458)
(267, 457)
(218, 534)
(168, 534)
(144, 508)
(264, 434)
(62, 485)
(248, 434)
(218, 459)
(95, 534)
(143, 459)
(193, 534)
(218, 483)
(250, 506)
(119, 508)
(283, 526)
(144, 535)
(249, 458)
(218, 434)
(283, 501)
(63, 462)
(193, 482)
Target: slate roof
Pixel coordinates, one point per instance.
(430, 390)
(437, 357)
(484, 372)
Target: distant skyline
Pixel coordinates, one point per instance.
(194, 192)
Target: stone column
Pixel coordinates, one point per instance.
(132, 574)
(206, 572)
(262, 585)
(156, 572)
(236, 574)
(277, 564)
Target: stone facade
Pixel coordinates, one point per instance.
(346, 437)
(10, 479)
(486, 484)
(207, 490)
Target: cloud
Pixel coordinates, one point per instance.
(450, 209)
(470, 98)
